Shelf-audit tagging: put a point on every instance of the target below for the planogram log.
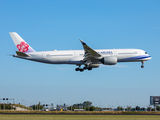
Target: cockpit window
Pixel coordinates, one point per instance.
(145, 52)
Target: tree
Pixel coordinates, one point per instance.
(37, 107)
(119, 108)
(128, 108)
(92, 108)
(149, 108)
(5, 106)
(137, 108)
(87, 105)
(158, 108)
(143, 109)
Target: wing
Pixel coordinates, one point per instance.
(90, 55)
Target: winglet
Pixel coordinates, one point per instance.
(82, 42)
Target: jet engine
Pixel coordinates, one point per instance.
(109, 60)
(94, 65)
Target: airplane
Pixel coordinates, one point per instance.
(88, 57)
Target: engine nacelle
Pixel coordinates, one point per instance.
(94, 65)
(109, 60)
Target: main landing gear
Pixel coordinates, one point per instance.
(82, 69)
(142, 66)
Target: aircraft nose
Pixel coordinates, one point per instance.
(149, 57)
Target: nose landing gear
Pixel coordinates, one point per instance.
(142, 66)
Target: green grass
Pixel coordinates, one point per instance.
(79, 117)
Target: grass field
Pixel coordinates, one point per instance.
(79, 117)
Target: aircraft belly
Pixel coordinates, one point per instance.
(76, 60)
(61, 59)
(134, 58)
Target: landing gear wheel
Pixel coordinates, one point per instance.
(81, 70)
(89, 68)
(77, 69)
(85, 68)
(142, 66)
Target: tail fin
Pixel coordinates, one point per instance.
(21, 45)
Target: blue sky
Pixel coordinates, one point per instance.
(58, 24)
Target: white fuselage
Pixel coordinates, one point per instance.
(77, 56)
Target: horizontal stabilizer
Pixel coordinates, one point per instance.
(22, 54)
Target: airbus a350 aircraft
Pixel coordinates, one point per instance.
(88, 57)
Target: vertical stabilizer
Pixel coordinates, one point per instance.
(21, 45)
